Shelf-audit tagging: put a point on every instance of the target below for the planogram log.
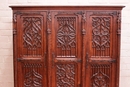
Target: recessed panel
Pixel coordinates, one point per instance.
(66, 36)
(101, 36)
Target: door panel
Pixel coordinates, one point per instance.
(31, 49)
(101, 36)
(101, 54)
(66, 48)
(100, 74)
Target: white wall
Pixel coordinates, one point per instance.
(6, 50)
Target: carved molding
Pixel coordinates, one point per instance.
(118, 22)
(24, 13)
(15, 17)
(69, 13)
(14, 31)
(104, 13)
(49, 16)
(72, 61)
(48, 31)
(48, 22)
(83, 17)
(83, 31)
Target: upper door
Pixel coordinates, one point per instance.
(101, 52)
(31, 49)
(66, 48)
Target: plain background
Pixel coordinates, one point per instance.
(6, 44)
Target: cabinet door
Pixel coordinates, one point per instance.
(101, 52)
(31, 49)
(66, 49)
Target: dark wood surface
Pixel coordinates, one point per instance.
(66, 46)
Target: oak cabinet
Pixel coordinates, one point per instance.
(66, 46)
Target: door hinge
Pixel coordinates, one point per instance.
(79, 85)
(79, 60)
(19, 59)
(112, 61)
(14, 31)
(53, 58)
(45, 59)
(87, 60)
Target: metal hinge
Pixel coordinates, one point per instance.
(53, 58)
(14, 31)
(19, 59)
(79, 85)
(87, 60)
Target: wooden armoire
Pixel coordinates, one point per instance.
(66, 46)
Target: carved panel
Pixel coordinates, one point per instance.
(32, 75)
(101, 36)
(65, 75)
(100, 75)
(104, 13)
(32, 35)
(66, 36)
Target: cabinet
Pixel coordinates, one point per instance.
(66, 46)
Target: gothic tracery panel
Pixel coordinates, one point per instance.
(100, 75)
(101, 28)
(66, 36)
(32, 75)
(32, 35)
(65, 75)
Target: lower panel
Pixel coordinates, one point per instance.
(100, 75)
(33, 74)
(66, 75)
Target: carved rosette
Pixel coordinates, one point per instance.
(48, 22)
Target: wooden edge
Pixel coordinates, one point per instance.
(22, 7)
